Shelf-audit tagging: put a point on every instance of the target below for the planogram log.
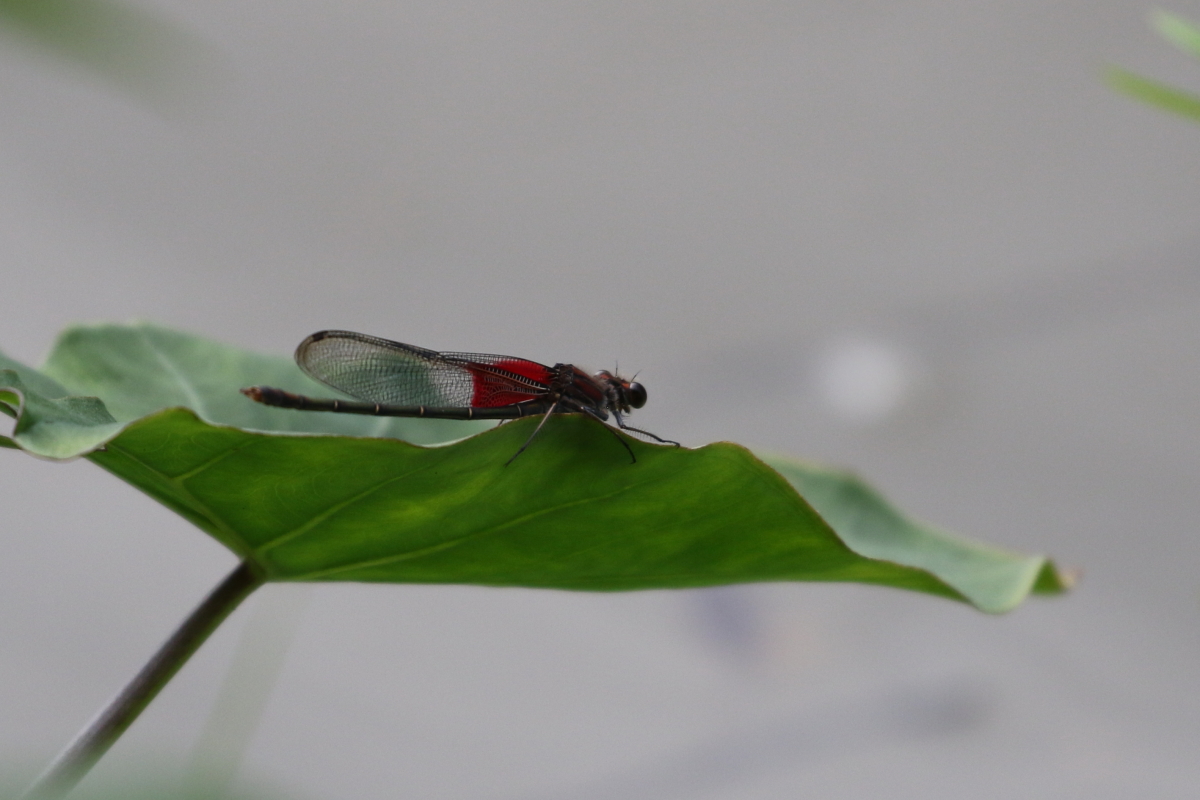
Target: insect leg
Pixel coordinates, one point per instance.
(607, 427)
(621, 424)
(545, 417)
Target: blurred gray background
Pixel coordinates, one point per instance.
(920, 239)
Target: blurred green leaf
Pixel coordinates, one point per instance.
(1154, 93)
(135, 49)
(571, 513)
(1184, 35)
(1178, 31)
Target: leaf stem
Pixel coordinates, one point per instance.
(103, 731)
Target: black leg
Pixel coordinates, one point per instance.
(624, 427)
(535, 433)
(607, 427)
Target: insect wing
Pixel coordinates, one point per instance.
(502, 380)
(382, 371)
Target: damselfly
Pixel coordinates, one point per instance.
(390, 379)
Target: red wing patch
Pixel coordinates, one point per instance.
(507, 382)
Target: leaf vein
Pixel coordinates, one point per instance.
(311, 523)
(451, 543)
(193, 397)
(232, 537)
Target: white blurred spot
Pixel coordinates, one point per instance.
(864, 381)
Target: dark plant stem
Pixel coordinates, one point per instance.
(100, 734)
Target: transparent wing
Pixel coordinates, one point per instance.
(382, 371)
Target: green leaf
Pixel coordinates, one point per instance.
(1184, 35)
(130, 47)
(996, 579)
(1177, 30)
(1153, 92)
(571, 513)
(42, 384)
(57, 428)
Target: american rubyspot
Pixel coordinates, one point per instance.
(391, 379)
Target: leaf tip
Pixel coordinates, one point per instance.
(1053, 580)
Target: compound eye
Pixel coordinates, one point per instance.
(636, 394)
